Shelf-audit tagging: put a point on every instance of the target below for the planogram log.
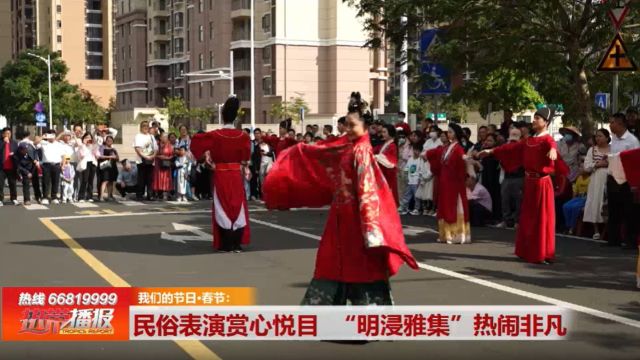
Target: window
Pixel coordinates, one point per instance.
(201, 33)
(130, 98)
(200, 6)
(59, 24)
(201, 62)
(211, 88)
(130, 77)
(59, 8)
(123, 53)
(210, 59)
(123, 78)
(266, 23)
(200, 90)
(129, 28)
(150, 48)
(129, 51)
(210, 4)
(59, 38)
(266, 55)
(267, 87)
(211, 30)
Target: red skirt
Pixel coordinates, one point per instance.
(391, 175)
(536, 238)
(162, 179)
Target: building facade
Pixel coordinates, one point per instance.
(303, 48)
(80, 30)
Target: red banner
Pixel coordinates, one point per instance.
(65, 314)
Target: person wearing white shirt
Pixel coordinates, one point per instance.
(52, 153)
(146, 147)
(87, 163)
(623, 213)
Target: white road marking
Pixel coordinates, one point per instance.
(415, 230)
(490, 284)
(85, 205)
(131, 203)
(179, 202)
(36, 207)
(199, 234)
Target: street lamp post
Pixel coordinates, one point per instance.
(253, 70)
(48, 62)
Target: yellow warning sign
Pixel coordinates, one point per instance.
(617, 57)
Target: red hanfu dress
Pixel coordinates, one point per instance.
(387, 158)
(363, 241)
(535, 239)
(280, 144)
(228, 148)
(448, 163)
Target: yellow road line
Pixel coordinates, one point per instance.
(195, 349)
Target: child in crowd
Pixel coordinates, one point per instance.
(572, 208)
(67, 175)
(413, 169)
(183, 171)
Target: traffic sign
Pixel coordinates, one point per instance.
(617, 57)
(41, 120)
(617, 16)
(441, 116)
(437, 78)
(602, 100)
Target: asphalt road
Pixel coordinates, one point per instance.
(596, 283)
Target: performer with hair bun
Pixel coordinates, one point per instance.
(284, 141)
(536, 239)
(453, 210)
(227, 149)
(363, 243)
(387, 157)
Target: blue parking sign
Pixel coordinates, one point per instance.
(437, 78)
(602, 100)
(41, 120)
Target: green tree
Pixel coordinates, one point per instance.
(24, 82)
(289, 109)
(176, 109)
(557, 43)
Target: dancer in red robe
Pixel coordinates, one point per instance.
(284, 141)
(227, 149)
(448, 162)
(387, 157)
(363, 243)
(535, 241)
(624, 166)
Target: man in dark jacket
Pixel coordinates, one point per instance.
(8, 147)
(25, 163)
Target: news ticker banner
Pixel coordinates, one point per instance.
(120, 314)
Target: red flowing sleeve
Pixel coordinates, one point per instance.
(200, 144)
(377, 204)
(434, 157)
(304, 176)
(510, 155)
(272, 141)
(631, 163)
(246, 148)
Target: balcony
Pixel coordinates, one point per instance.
(178, 3)
(241, 9)
(161, 55)
(241, 68)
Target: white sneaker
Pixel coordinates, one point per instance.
(404, 212)
(55, 202)
(81, 201)
(596, 236)
(16, 202)
(90, 200)
(502, 225)
(45, 202)
(416, 212)
(1, 204)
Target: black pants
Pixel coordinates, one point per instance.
(478, 214)
(86, 182)
(230, 239)
(76, 181)
(35, 182)
(50, 180)
(254, 184)
(11, 177)
(124, 190)
(622, 214)
(145, 179)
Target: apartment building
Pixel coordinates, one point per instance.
(303, 48)
(81, 30)
(5, 32)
